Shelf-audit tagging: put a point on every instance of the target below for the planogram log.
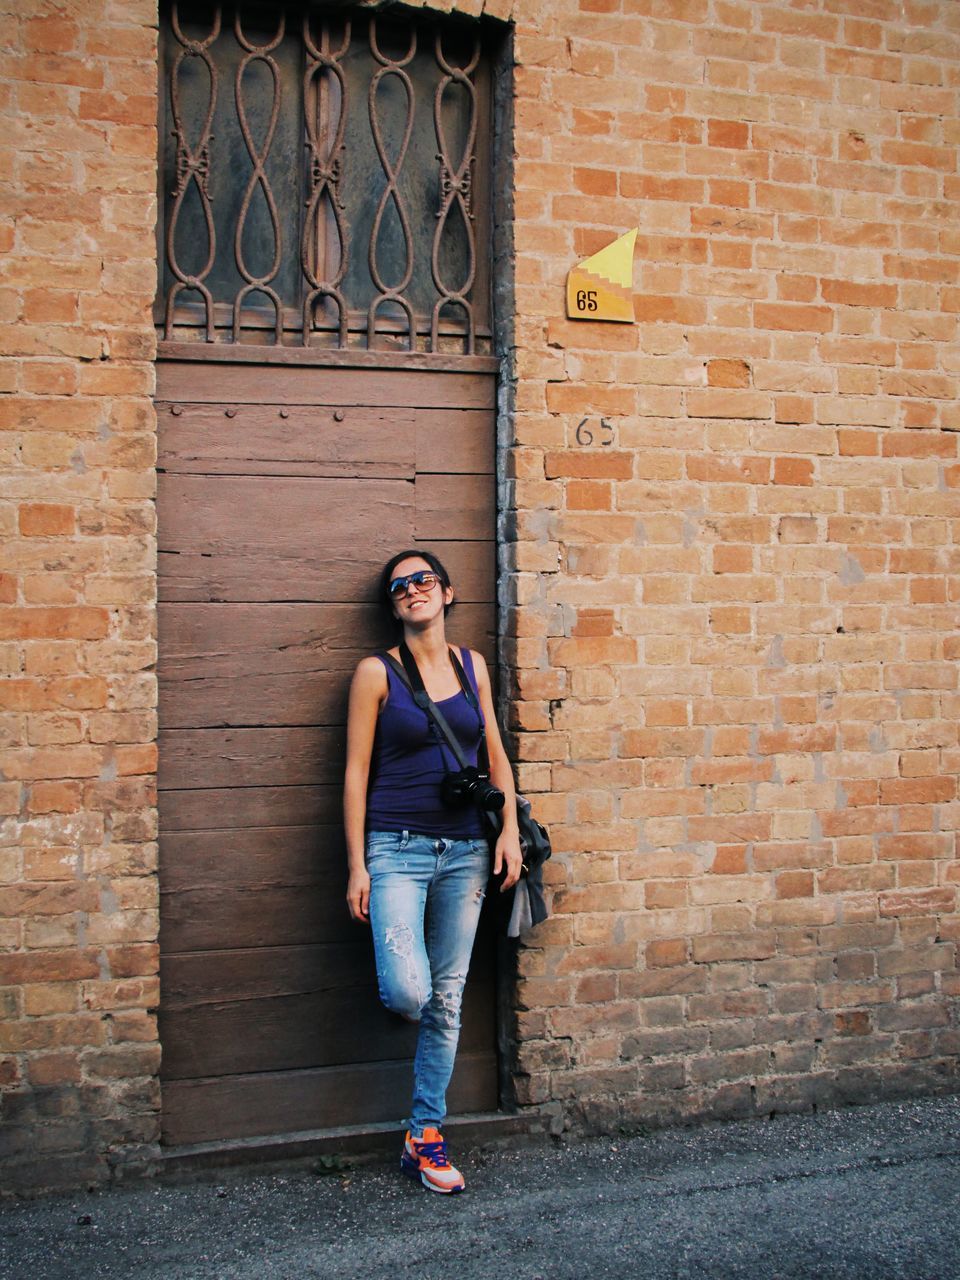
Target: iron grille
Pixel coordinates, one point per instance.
(324, 179)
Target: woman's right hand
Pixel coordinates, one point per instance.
(358, 895)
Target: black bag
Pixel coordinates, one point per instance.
(528, 906)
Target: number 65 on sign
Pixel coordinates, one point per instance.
(601, 287)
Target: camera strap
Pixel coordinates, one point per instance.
(483, 755)
(409, 673)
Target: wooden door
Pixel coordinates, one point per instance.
(283, 489)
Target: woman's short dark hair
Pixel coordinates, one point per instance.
(387, 576)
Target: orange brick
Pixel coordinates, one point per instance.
(117, 108)
(46, 520)
(51, 34)
(729, 559)
(731, 620)
(646, 186)
(71, 693)
(730, 860)
(728, 191)
(608, 464)
(851, 294)
(80, 623)
(42, 306)
(680, 310)
(666, 953)
(928, 591)
(793, 409)
(796, 288)
(747, 470)
(794, 884)
(795, 471)
(728, 373)
(589, 495)
(664, 711)
(858, 444)
(793, 317)
(797, 529)
(50, 377)
(728, 133)
(55, 797)
(596, 182)
(594, 622)
(935, 790)
(46, 68)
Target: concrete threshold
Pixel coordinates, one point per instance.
(339, 1148)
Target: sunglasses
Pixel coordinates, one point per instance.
(423, 580)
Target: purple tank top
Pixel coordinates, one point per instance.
(410, 758)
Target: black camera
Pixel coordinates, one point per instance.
(470, 786)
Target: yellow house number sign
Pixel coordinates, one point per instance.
(601, 287)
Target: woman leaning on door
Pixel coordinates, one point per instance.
(418, 863)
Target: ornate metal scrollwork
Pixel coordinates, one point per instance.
(391, 293)
(326, 171)
(325, 144)
(258, 284)
(193, 165)
(456, 189)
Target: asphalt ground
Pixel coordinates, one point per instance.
(858, 1193)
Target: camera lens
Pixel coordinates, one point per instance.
(491, 797)
(470, 786)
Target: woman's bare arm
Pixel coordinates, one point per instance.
(367, 691)
(507, 852)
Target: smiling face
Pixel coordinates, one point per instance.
(419, 603)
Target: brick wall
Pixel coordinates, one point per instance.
(731, 631)
(78, 894)
(735, 638)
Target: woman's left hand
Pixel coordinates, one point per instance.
(507, 856)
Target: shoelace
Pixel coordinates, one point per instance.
(436, 1153)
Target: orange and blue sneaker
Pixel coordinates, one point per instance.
(426, 1158)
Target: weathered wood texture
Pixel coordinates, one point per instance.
(241, 1106)
(273, 664)
(322, 386)
(356, 358)
(219, 807)
(282, 492)
(307, 440)
(337, 1026)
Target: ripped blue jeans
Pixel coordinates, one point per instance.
(426, 894)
